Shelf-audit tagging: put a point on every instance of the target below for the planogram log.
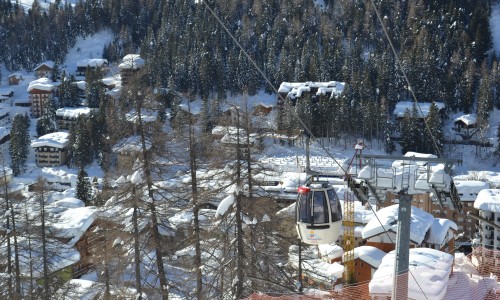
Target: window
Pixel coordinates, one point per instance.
(336, 209)
(304, 208)
(320, 210)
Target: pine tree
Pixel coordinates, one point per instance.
(411, 131)
(68, 93)
(19, 146)
(56, 73)
(47, 122)
(83, 187)
(81, 152)
(93, 88)
(434, 133)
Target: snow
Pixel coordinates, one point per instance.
(369, 254)
(430, 270)
(402, 106)
(132, 61)
(4, 132)
(224, 205)
(43, 84)
(60, 255)
(72, 112)
(469, 119)
(92, 62)
(468, 190)
(69, 203)
(387, 218)
(131, 144)
(330, 251)
(48, 63)
(295, 89)
(438, 231)
(54, 139)
(488, 200)
(78, 289)
(73, 222)
(147, 116)
(313, 266)
(89, 47)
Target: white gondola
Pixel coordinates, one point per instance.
(318, 214)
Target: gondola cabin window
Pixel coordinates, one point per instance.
(304, 208)
(335, 208)
(320, 210)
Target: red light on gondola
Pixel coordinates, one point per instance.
(304, 190)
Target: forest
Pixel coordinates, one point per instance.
(444, 47)
(140, 243)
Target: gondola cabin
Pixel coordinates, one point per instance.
(319, 214)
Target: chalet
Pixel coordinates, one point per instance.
(80, 89)
(148, 118)
(130, 65)
(15, 78)
(468, 192)
(466, 126)
(430, 270)
(295, 90)
(67, 116)
(51, 149)
(41, 91)
(366, 261)
(44, 69)
(423, 108)
(441, 235)
(127, 151)
(110, 82)
(92, 63)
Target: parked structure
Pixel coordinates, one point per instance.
(41, 91)
(15, 78)
(92, 63)
(51, 149)
(44, 69)
(67, 116)
(130, 65)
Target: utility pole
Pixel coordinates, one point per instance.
(402, 263)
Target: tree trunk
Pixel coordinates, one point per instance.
(196, 221)
(151, 206)
(137, 257)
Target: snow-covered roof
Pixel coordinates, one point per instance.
(193, 107)
(110, 80)
(73, 222)
(369, 254)
(147, 116)
(330, 251)
(402, 106)
(47, 63)
(387, 220)
(295, 89)
(438, 230)
(313, 266)
(130, 144)
(43, 84)
(488, 200)
(430, 270)
(469, 119)
(92, 62)
(469, 189)
(72, 112)
(31, 258)
(16, 75)
(81, 84)
(54, 139)
(132, 61)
